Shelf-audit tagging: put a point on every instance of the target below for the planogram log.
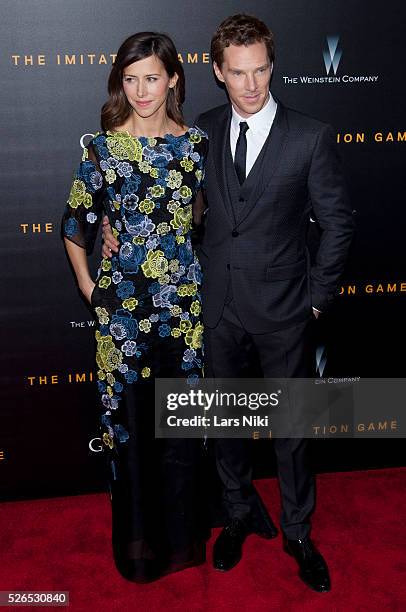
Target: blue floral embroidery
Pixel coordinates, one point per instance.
(125, 289)
(71, 227)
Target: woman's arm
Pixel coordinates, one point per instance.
(82, 217)
(78, 259)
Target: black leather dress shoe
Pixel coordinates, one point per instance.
(227, 549)
(313, 569)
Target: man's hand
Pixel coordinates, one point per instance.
(110, 244)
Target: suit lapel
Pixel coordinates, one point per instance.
(220, 140)
(266, 163)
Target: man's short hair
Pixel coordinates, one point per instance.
(240, 30)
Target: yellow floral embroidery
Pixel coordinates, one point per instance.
(145, 372)
(163, 228)
(185, 326)
(130, 303)
(77, 193)
(174, 265)
(145, 325)
(193, 337)
(87, 200)
(189, 289)
(108, 357)
(108, 440)
(155, 265)
(122, 145)
(182, 219)
(195, 308)
(187, 164)
(185, 192)
(110, 176)
(102, 315)
(176, 310)
(146, 206)
(157, 191)
(104, 282)
(174, 180)
(144, 167)
(164, 279)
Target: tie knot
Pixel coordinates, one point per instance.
(244, 127)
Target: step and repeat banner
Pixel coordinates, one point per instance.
(340, 62)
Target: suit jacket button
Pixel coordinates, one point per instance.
(241, 199)
(234, 233)
(228, 266)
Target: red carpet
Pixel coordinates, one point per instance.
(64, 544)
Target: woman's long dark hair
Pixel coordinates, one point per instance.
(137, 47)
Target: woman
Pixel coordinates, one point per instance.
(144, 171)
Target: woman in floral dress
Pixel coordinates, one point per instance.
(145, 172)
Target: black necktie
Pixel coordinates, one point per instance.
(240, 158)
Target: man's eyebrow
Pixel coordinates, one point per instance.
(257, 68)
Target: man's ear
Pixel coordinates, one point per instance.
(217, 72)
(271, 68)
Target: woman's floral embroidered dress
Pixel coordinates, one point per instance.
(148, 308)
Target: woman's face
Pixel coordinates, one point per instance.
(146, 84)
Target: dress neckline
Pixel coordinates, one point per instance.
(164, 137)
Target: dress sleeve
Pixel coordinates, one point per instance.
(84, 208)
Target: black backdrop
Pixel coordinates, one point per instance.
(55, 57)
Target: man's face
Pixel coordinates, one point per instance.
(246, 73)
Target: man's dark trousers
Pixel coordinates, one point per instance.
(282, 354)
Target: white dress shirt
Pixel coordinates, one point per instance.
(259, 125)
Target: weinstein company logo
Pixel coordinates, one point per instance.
(332, 55)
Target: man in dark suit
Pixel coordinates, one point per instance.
(268, 167)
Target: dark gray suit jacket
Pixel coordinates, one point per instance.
(260, 244)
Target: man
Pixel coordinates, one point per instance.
(268, 167)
